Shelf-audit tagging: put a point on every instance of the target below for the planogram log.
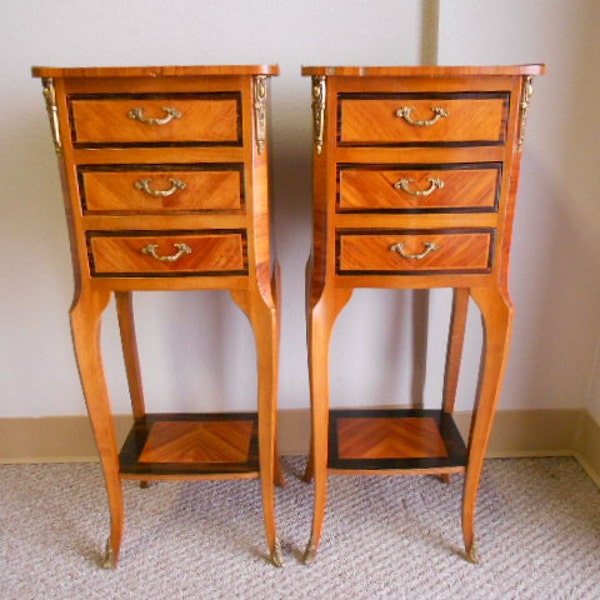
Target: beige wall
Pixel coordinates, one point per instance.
(192, 343)
(556, 254)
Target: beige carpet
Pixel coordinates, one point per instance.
(538, 523)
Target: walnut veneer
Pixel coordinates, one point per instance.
(416, 172)
(165, 180)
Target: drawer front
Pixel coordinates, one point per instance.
(160, 254)
(126, 189)
(421, 189)
(408, 252)
(405, 120)
(147, 120)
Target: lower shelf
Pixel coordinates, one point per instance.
(186, 445)
(402, 439)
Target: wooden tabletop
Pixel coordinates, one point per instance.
(430, 71)
(165, 71)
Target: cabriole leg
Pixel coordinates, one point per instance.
(496, 314)
(86, 316)
(321, 320)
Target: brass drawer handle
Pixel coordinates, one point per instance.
(404, 183)
(429, 248)
(144, 186)
(137, 114)
(406, 113)
(181, 250)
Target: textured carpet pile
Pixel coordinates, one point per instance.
(385, 537)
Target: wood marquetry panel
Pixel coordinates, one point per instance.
(198, 442)
(394, 439)
(209, 119)
(402, 252)
(123, 189)
(183, 253)
(377, 120)
(166, 444)
(425, 188)
(389, 437)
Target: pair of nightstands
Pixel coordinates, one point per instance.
(166, 185)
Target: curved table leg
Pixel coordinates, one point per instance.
(321, 319)
(496, 313)
(263, 316)
(86, 318)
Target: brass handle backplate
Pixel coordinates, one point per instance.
(144, 186)
(429, 248)
(137, 114)
(404, 185)
(182, 249)
(406, 113)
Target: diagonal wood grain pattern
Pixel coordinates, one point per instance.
(198, 442)
(375, 121)
(209, 253)
(389, 437)
(108, 121)
(454, 251)
(204, 190)
(375, 189)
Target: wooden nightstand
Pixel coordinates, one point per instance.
(165, 180)
(415, 179)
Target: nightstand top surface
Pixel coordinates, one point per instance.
(428, 71)
(165, 71)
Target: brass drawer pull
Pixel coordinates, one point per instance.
(429, 248)
(137, 114)
(404, 183)
(406, 113)
(144, 186)
(181, 250)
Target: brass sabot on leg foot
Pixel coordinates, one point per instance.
(110, 558)
(473, 552)
(310, 554)
(276, 555)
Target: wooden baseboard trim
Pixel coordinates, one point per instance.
(552, 432)
(587, 446)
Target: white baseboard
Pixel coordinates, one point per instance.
(552, 432)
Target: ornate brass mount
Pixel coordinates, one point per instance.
(182, 249)
(144, 186)
(260, 111)
(50, 97)
(434, 184)
(429, 248)
(137, 114)
(319, 94)
(406, 113)
(524, 107)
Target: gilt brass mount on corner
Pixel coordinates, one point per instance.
(260, 102)
(319, 94)
(52, 109)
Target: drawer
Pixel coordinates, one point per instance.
(164, 254)
(160, 189)
(424, 188)
(406, 120)
(409, 252)
(139, 120)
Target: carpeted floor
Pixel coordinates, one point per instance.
(385, 537)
